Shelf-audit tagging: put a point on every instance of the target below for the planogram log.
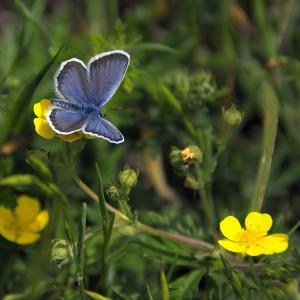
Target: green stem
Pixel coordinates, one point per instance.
(206, 204)
(269, 136)
(80, 250)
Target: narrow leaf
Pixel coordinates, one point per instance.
(117, 254)
(103, 210)
(165, 294)
(95, 296)
(150, 297)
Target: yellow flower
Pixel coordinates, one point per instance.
(191, 153)
(23, 224)
(254, 240)
(187, 154)
(42, 127)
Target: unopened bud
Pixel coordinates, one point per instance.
(113, 192)
(61, 252)
(232, 116)
(175, 157)
(191, 182)
(128, 178)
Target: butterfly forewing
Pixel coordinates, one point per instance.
(106, 72)
(72, 83)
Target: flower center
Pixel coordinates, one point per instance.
(251, 236)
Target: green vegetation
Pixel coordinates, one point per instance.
(210, 112)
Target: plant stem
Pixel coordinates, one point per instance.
(206, 204)
(80, 250)
(269, 136)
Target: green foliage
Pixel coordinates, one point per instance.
(220, 78)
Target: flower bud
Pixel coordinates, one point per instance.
(175, 157)
(113, 192)
(191, 153)
(232, 116)
(191, 182)
(61, 252)
(128, 178)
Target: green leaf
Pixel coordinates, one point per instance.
(15, 117)
(156, 47)
(184, 287)
(165, 294)
(39, 166)
(25, 182)
(95, 296)
(150, 297)
(101, 197)
(117, 254)
(28, 15)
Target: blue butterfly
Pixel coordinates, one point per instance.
(83, 91)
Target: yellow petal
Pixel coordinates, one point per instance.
(40, 222)
(71, 137)
(274, 243)
(232, 246)
(41, 108)
(6, 217)
(89, 136)
(26, 238)
(27, 208)
(258, 222)
(43, 129)
(254, 250)
(231, 228)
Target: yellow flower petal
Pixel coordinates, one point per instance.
(254, 250)
(232, 246)
(40, 222)
(71, 137)
(43, 129)
(258, 222)
(274, 243)
(231, 228)
(6, 217)
(27, 208)
(41, 108)
(26, 238)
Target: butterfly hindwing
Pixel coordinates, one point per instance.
(100, 127)
(71, 82)
(65, 121)
(106, 72)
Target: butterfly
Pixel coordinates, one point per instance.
(83, 91)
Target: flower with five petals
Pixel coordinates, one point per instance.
(23, 224)
(254, 239)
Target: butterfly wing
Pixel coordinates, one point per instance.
(65, 121)
(106, 72)
(102, 128)
(71, 82)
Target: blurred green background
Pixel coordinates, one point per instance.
(208, 55)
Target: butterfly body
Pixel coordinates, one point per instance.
(83, 91)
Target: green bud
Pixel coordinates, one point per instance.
(39, 166)
(175, 157)
(61, 252)
(128, 178)
(232, 116)
(113, 192)
(191, 182)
